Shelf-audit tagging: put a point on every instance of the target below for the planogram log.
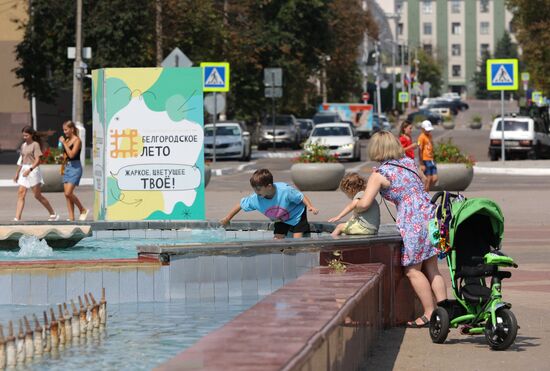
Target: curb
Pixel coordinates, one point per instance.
(511, 171)
(233, 170)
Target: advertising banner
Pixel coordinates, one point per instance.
(148, 144)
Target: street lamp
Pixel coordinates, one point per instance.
(324, 59)
(396, 17)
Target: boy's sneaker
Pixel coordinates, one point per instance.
(53, 218)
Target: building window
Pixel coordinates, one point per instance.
(455, 6)
(428, 48)
(427, 28)
(455, 50)
(400, 28)
(511, 27)
(455, 28)
(427, 6)
(456, 70)
(484, 6)
(483, 49)
(399, 6)
(484, 28)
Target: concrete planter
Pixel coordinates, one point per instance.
(207, 174)
(453, 177)
(53, 180)
(475, 125)
(448, 125)
(317, 176)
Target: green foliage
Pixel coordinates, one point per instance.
(430, 70)
(505, 48)
(531, 19)
(448, 152)
(316, 152)
(251, 35)
(477, 119)
(337, 264)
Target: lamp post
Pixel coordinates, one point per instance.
(396, 17)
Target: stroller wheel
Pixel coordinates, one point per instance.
(504, 334)
(439, 325)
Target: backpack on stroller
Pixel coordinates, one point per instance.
(470, 233)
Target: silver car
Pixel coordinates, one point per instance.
(286, 132)
(339, 139)
(232, 141)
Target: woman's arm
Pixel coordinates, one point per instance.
(412, 146)
(375, 182)
(349, 208)
(34, 165)
(71, 152)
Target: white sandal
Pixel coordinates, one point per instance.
(53, 218)
(84, 215)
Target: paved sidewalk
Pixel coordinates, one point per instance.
(527, 238)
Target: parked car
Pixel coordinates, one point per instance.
(439, 104)
(523, 136)
(286, 132)
(306, 126)
(232, 141)
(425, 114)
(326, 117)
(443, 111)
(380, 123)
(339, 139)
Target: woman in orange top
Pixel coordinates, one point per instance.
(406, 139)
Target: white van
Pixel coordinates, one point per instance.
(523, 136)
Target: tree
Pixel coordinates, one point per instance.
(531, 19)
(506, 48)
(348, 25)
(118, 31)
(429, 70)
(480, 79)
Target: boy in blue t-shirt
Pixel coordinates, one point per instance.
(280, 202)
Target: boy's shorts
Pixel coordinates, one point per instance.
(354, 226)
(430, 168)
(301, 227)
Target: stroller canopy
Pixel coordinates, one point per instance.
(461, 211)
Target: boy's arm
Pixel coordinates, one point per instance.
(349, 208)
(310, 206)
(234, 211)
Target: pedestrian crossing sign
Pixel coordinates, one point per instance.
(502, 74)
(215, 76)
(403, 97)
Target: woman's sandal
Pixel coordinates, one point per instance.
(425, 323)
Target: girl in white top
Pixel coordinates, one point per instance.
(28, 173)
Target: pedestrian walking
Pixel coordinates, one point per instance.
(72, 168)
(426, 154)
(28, 174)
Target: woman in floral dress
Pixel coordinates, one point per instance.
(398, 181)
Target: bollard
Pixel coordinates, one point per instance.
(20, 345)
(95, 312)
(38, 344)
(68, 325)
(61, 320)
(46, 336)
(75, 322)
(54, 330)
(83, 323)
(11, 353)
(29, 345)
(103, 308)
(2, 349)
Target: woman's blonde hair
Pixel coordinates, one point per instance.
(72, 126)
(384, 146)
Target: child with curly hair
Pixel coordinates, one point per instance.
(361, 223)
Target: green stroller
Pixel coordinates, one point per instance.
(469, 233)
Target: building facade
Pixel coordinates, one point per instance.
(14, 108)
(455, 32)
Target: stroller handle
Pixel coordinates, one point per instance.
(440, 194)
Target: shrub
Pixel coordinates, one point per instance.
(52, 156)
(316, 152)
(448, 152)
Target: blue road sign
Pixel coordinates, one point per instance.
(215, 77)
(502, 74)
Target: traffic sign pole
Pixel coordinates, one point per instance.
(214, 128)
(502, 151)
